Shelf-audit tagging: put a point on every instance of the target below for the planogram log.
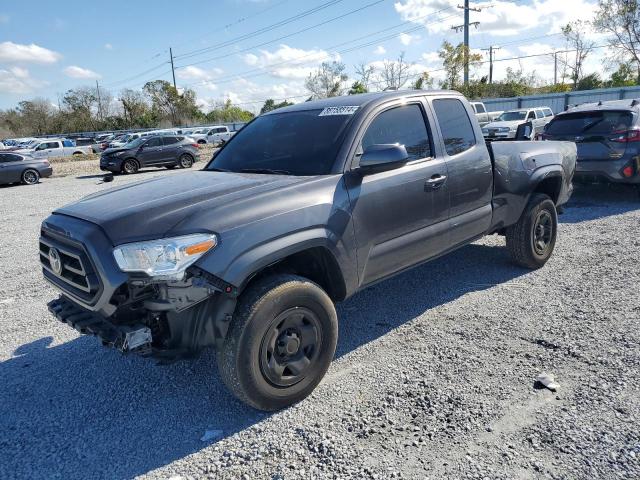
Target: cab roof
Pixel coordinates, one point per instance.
(362, 100)
(630, 104)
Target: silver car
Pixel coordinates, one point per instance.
(506, 125)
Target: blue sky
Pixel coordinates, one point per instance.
(49, 47)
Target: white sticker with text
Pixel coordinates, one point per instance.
(346, 110)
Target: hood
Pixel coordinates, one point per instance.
(151, 208)
(110, 150)
(510, 124)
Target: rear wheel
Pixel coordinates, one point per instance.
(281, 342)
(186, 161)
(531, 241)
(30, 177)
(130, 166)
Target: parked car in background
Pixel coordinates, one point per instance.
(199, 135)
(22, 168)
(506, 125)
(123, 139)
(482, 115)
(219, 134)
(168, 151)
(607, 135)
(3, 146)
(54, 148)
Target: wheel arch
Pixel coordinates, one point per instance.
(314, 258)
(549, 183)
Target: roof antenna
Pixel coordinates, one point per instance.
(600, 103)
(634, 102)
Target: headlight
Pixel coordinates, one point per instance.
(165, 257)
(119, 153)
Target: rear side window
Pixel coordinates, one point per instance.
(480, 108)
(455, 124)
(548, 112)
(591, 123)
(169, 140)
(403, 125)
(8, 157)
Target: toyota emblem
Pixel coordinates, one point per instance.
(55, 261)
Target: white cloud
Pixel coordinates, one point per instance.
(501, 18)
(108, 46)
(18, 80)
(406, 39)
(74, 71)
(196, 73)
(288, 62)
(16, 53)
(380, 50)
(431, 57)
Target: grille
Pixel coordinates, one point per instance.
(66, 264)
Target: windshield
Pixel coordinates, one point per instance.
(136, 142)
(601, 122)
(511, 116)
(294, 143)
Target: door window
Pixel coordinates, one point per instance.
(170, 140)
(153, 142)
(8, 157)
(531, 115)
(457, 130)
(480, 108)
(403, 125)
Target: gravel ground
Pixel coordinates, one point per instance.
(434, 375)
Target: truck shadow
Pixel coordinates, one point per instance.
(77, 410)
(590, 202)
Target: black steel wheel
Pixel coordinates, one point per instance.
(130, 166)
(30, 177)
(280, 343)
(186, 161)
(532, 239)
(290, 346)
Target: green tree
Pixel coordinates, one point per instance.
(423, 82)
(620, 20)
(227, 112)
(589, 82)
(576, 35)
(357, 88)
(270, 104)
(624, 76)
(453, 63)
(168, 103)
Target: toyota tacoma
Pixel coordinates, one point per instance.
(301, 209)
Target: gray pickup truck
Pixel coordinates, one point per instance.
(302, 208)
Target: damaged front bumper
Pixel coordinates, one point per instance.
(138, 314)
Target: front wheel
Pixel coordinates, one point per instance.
(281, 342)
(531, 241)
(130, 166)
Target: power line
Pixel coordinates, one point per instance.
(311, 27)
(265, 70)
(260, 31)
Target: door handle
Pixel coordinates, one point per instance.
(436, 181)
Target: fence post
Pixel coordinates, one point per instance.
(621, 94)
(519, 102)
(566, 100)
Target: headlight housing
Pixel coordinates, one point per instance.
(165, 257)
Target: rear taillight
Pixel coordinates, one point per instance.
(626, 136)
(627, 171)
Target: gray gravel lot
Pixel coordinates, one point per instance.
(434, 376)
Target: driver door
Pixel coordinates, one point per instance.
(152, 152)
(400, 216)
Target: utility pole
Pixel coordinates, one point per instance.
(555, 68)
(173, 71)
(99, 101)
(465, 28)
(491, 49)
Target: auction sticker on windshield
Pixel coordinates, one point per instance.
(346, 110)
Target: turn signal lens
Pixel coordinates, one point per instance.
(200, 247)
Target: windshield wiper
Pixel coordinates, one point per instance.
(265, 170)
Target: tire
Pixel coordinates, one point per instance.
(30, 177)
(202, 142)
(263, 361)
(531, 241)
(185, 161)
(130, 166)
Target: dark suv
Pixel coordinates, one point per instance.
(607, 135)
(168, 151)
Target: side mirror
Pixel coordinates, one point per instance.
(382, 157)
(524, 131)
